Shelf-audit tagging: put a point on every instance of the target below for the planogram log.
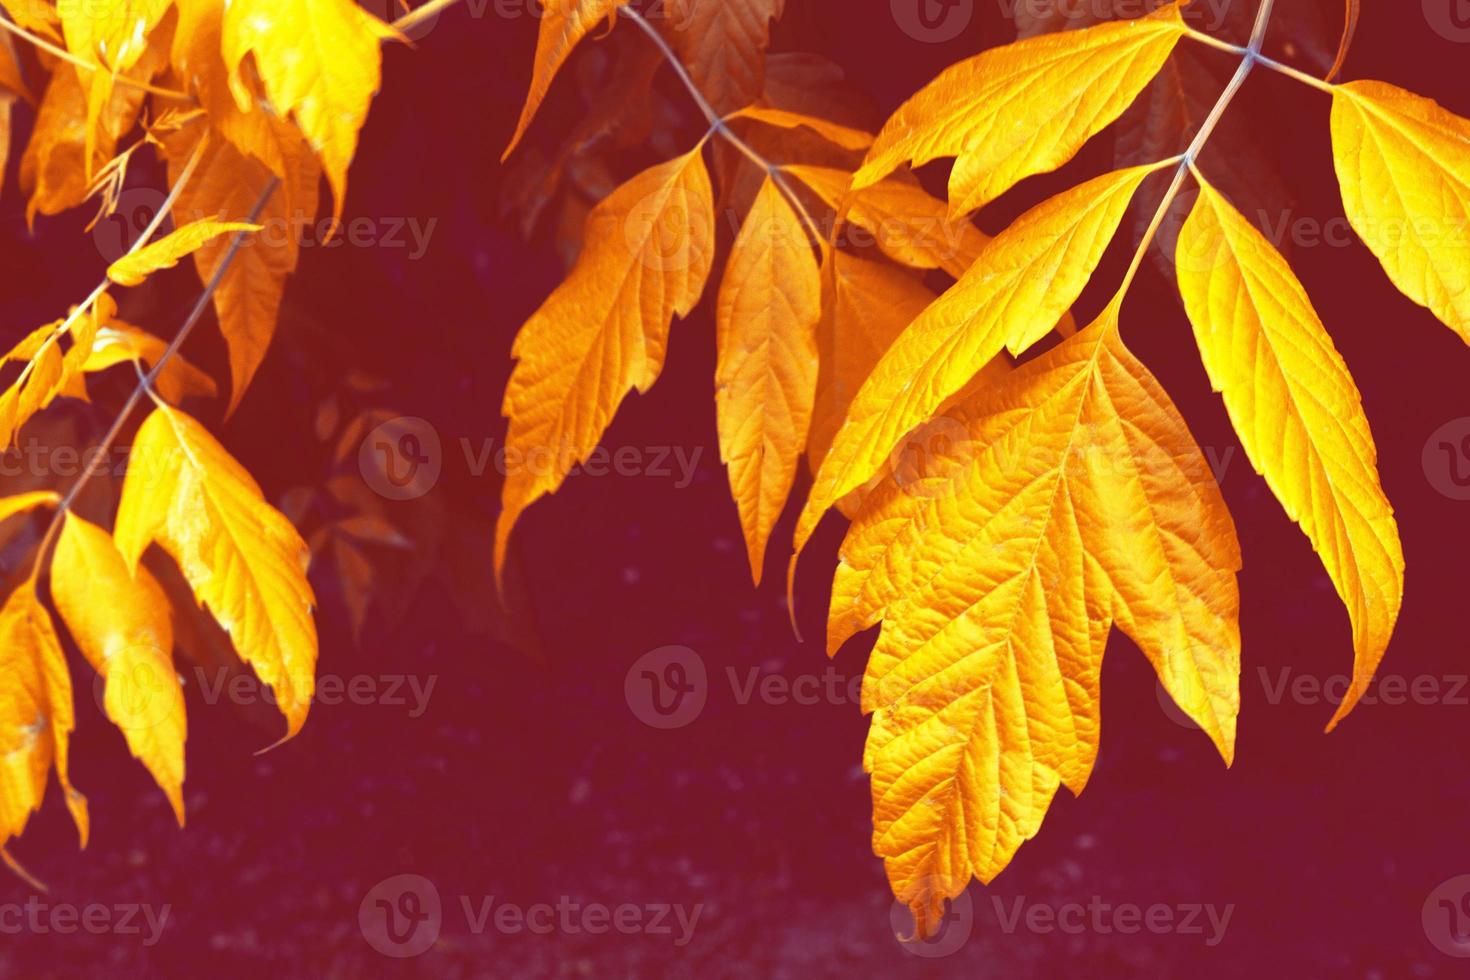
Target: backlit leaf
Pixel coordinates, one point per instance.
(133, 269)
(765, 381)
(1025, 108)
(649, 249)
(563, 24)
(1298, 413)
(120, 621)
(242, 558)
(1021, 286)
(1403, 164)
(1080, 500)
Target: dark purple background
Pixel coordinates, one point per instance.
(530, 779)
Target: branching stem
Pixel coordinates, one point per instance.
(720, 124)
(83, 64)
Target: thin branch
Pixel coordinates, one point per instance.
(720, 125)
(145, 385)
(69, 58)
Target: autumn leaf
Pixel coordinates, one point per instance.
(1085, 502)
(650, 247)
(844, 136)
(1023, 109)
(36, 715)
(226, 186)
(122, 343)
(869, 306)
(1405, 176)
(319, 62)
(120, 622)
(907, 224)
(723, 44)
(112, 35)
(766, 377)
(1298, 413)
(242, 558)
(135, 267)
(1022, 284)
(48, 373)
(563, 24)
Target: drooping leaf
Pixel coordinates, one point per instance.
(135, 268)
(1405, 174)
(120, 621)
(1016, 292)
(242, 558)
(1080, 500)
(766, 378)
(120, 343)
(563, 25)
(48, 373)
(113, 35)
(320, 63)
(1298, 413)
(226, 186)
(36, 714)
(723, 44)
(1023, 109)
(649, 250)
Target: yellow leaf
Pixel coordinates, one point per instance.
(1298, 413)
(836, 133)
(48, 373)
(121, 624)
(766, 377)
(563, 24)
(23, 502)
(1016, 292)
(1079, 500)
(649, 249)
(112, 34)
(1025, 108)
(133, 269)
(869, 306)
(119, 343)
(723, 43)
(1403, 165)
(242, 558)
(36, 714)
(319, 62)
(226, 185)
(906, 224)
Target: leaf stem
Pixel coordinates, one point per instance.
(69, 58)
(412, 19)
(721, 125)
(145, 385)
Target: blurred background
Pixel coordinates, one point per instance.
(472, 774)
